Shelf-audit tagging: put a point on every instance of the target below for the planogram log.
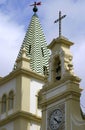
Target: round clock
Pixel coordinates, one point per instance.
(55, 119)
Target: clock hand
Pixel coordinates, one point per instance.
(57, 120)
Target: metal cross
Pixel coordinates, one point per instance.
(59, 20)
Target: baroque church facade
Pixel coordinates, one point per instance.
(41, 92)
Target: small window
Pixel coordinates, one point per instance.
(45, 71)
(29, 49)
(11, 100)
(4, 103)
(42, 51)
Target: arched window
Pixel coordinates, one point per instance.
(11, 100)
(4, 103)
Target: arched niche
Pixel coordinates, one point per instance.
(57, 68)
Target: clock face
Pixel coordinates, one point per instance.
(55, 119)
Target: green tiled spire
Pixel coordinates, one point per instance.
(36, 46)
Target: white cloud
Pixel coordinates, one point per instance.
(11, 36)
(71, 24)
(79, 61)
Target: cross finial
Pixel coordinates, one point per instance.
(59, 20)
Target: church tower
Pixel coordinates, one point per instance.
(59, 98)
(35, 45)
(19, 90)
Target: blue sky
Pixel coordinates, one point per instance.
(15, 16)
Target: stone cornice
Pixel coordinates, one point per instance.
(21, 71)
(59, 40)
(69, 94)
(68, 79)
(21, 114)
(68, 88)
